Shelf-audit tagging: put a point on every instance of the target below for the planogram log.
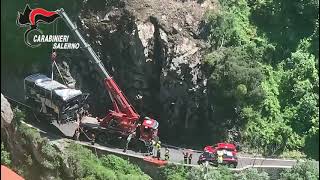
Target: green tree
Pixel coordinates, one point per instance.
(120, 165)
(230, 26)
(302, 170)
(251, 174)
(300, 96)
(5, 156)
(85, 165)
(286, 22)
(173, 172)
(234, 82)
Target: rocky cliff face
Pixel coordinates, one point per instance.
(152, 48)
(32, 156)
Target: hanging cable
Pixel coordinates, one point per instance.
(54, 55)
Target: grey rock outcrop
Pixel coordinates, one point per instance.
(27, 149)
(6, 112)
(152, 48)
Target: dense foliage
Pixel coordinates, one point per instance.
(5, 156)
(263, 73)
(39, 156)
(178, 172)
(262, 69)
(302, 170)
(85, 165)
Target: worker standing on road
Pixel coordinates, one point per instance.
(166, 154)
(77, 134)
(128, 141)
(220, 157)
(158, 147)
(154, 148)
(185, 157)
(151, 148)
(93, 139)
(190, 158)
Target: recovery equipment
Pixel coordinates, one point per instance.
(123, 119)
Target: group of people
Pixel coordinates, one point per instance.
(83, 112)
(156, 148)
(156, 145)
(187, 157)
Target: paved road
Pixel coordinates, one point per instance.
(176, 155)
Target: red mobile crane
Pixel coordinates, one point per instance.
(123, 119)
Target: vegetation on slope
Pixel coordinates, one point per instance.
(302, 170)
(5, 156)
(176, 173)
(262, 71)
(35, 157)
(85, 165)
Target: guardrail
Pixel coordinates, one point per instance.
(252, 164)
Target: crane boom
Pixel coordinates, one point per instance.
(123, 119)
(88, 49)
(122, 108)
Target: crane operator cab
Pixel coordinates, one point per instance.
(149, 129)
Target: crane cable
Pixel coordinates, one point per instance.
(53, 52)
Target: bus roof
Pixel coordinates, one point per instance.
(59, 89)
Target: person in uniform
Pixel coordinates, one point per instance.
(158, 147)
(153, 148)
(93, 138)
(77, 134)
(167, 154)
(128, 141)
(220, 157)
(190, 158)
(185, 157)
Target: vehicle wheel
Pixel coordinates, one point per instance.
(238, 146)
(102, 138)
(232, 165)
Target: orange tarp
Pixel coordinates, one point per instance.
(8, 174)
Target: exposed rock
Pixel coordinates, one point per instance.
(27, 149)
(152, 48)
(6, 112)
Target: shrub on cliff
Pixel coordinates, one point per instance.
(179, 172)
(302, 170)
(5, 156)
(120, 166)
(85, 165)
(173, 172)
(252, 174)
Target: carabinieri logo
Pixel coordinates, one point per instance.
(32, 17)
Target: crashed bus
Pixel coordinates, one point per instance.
(53, 98)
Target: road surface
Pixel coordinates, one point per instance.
(176, 155)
